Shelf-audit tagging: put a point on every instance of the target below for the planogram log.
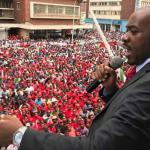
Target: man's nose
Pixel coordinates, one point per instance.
(125, 37)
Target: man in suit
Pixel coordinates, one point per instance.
(124, 123)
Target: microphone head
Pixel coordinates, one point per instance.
(116, 62)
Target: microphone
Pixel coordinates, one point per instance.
(115, 63)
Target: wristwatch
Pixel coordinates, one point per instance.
(17, 136)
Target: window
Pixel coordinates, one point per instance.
(50, 10)
(108, 26)
(119, 3)
(103, 12)
(59, 10)
(18, 5)
(93, 3)
(102, 27)
(6, 3)
(1, 13)
(6, 14)
(39, 9)
(69, 10)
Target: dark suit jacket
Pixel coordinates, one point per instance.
(124, 124)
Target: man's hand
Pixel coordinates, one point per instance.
(107, 76)
(8, 125)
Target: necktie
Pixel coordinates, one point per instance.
(130, 72)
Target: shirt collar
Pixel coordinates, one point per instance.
(139, 67)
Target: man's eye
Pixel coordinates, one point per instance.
(134, 32)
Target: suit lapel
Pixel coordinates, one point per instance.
(137, 76)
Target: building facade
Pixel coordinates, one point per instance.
(113, 14)
(143, 3)
(44, 17)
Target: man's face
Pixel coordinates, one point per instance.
(137, 38)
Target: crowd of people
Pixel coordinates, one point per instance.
(43, 82)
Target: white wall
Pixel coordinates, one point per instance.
(3, 34)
